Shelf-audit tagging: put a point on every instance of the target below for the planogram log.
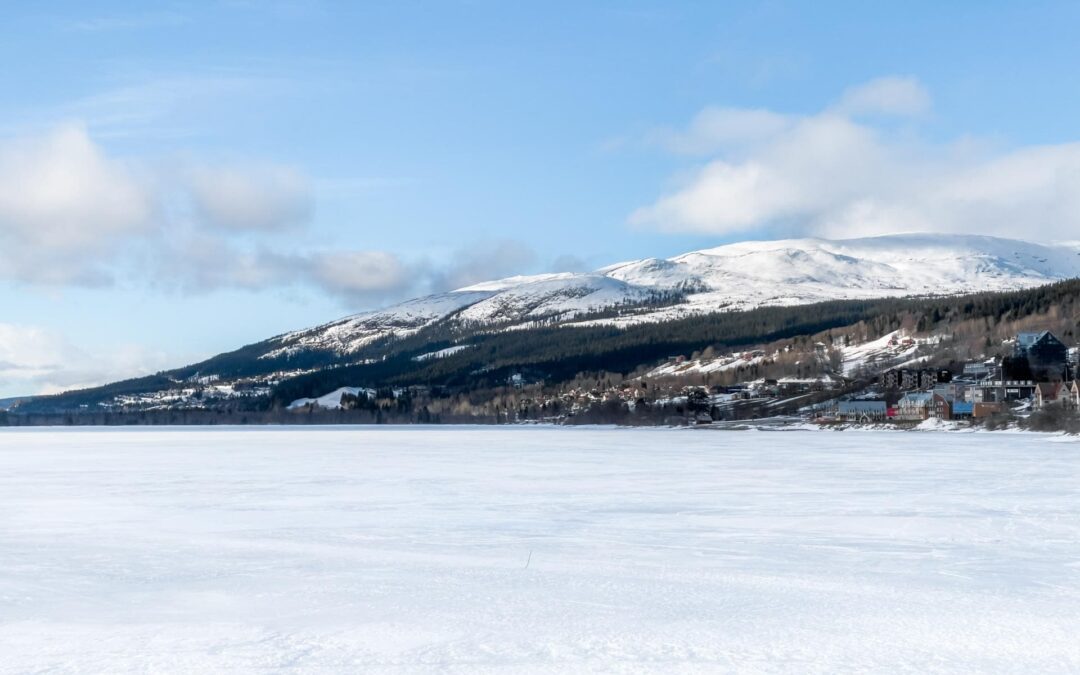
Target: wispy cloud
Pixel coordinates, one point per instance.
(250, 198)
(127, 22)
(845, 172)
(153, 105)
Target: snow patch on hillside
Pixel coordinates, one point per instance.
(705, 366)
(331, 401)
(441, 353)
(886, 351)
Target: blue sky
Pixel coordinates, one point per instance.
(180, 180)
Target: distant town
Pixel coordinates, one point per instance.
(1038, 375)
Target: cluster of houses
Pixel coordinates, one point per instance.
(1040, 372)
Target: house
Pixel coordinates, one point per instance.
(1050, 393)
(793, 387)
(940, 407)
(1042, 346)
(1046, 354)
(765, 388)
(862, 411)
(914, 406)
(1072, 394)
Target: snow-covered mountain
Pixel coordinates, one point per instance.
(735, 276)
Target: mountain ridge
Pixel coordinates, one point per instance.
(742, 275)
(725, 286)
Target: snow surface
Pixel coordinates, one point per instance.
(469, 550)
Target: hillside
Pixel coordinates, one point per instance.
(617, 319)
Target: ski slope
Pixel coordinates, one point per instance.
(537, 550)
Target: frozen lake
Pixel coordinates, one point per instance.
(537, 550)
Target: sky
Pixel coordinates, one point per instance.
(183, 179)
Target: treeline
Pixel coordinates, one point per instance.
(242, 417)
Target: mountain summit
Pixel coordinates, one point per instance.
(731, 277)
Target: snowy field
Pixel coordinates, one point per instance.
(468, 550)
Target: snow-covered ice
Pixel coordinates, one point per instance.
(537, 550)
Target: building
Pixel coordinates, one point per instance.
(1001, 391)
(956, 390)
(914, 406)
(907, 379)
(1042, 347)
(979, 370)
(962, 410)
(1049, 394)
(980, 410)
(940, 407)
(1046, 354)
(862, 411)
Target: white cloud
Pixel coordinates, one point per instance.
(61, 191)
(34, 360)
(250, 198)
(66, 208)
(903, 96)
(834, 174)
(71, 215)
(362, 273)
(716, 128)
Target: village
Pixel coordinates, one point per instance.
(901, 379)
(1038, 376)
(889, 381)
